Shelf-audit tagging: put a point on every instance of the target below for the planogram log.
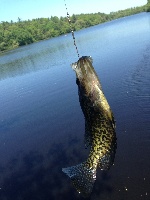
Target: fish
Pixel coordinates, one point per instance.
(100, 134)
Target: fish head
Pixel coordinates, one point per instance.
(83, 67)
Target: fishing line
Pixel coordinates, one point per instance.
(69, 20)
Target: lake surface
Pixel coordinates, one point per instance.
(42, 125)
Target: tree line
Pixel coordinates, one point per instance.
(15, 34)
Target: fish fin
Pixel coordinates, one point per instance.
(82, 178)
(108, 159)
(106, 162)
(87, 136)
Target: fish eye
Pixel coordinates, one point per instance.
(74, 65)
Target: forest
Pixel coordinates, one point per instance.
(15, 34)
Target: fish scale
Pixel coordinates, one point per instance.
(100, 133)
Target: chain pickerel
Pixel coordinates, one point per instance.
(100, 133)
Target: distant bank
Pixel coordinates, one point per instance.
(16, 34)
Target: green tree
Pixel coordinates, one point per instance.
(20, 33)
(148, 5)
(80, 24)
(24, 37)
(73, 18)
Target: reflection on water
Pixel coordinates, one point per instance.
(31, 58)
(138, 84)
(30, 178)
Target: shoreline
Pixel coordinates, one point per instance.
(16, 46)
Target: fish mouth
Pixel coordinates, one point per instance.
(74, 66)
(81, 62)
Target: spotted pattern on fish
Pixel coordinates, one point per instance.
(100, 133)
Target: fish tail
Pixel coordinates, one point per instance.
(82, 177)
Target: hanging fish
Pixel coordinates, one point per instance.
(100, 133)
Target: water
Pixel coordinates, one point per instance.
(42, 125)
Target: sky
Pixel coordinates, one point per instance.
(31, 9)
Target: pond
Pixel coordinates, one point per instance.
(42, 125)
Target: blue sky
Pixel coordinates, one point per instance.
(30, 9)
